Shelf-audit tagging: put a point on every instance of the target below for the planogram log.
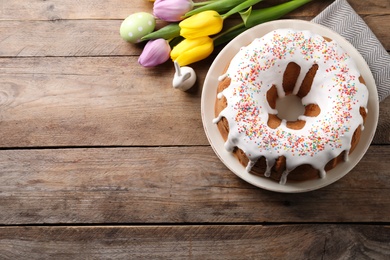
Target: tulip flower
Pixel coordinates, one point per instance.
(202, 24)
(171, 10)
(192, 50)
(201, 28)
(154, 53)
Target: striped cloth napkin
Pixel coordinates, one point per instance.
(341, 18)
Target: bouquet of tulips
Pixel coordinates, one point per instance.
(194, 29)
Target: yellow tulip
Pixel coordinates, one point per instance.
(192, 50)
(202, 24)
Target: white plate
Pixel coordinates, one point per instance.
(209, 93)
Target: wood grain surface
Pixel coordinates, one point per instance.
(197, 242)
(173, 185)
(101, 158)
(104, 101)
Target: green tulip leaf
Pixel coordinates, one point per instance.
(240, 7)
(245, 15)
(255, 17)
(218, 6)
(168, 32)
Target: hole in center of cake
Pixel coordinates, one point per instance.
(289, 107)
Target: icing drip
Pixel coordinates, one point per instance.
(283, 179)
(335, 89)
(270, 164)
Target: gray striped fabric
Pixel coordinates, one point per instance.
(341, 18)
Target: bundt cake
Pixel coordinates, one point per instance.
(316, 70)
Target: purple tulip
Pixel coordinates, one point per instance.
(171, 10)
(155, 53)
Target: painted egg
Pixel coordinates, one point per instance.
(137, 25)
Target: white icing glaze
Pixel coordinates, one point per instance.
(335, 89)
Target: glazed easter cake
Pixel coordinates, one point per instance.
(316, 70)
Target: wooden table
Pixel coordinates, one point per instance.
(101, 158)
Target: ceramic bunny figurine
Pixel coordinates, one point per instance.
(184, 77)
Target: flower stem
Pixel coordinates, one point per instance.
(218, 6)
(255, 17)
(203, 3)
(240, 7)
(175, 41)
(229, 34)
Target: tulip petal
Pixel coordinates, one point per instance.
(171, 10)
(197, 54)
(155, 53)
(202, 24)
(189, 44)
(192, 50)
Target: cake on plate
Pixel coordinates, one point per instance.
(325, 79)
